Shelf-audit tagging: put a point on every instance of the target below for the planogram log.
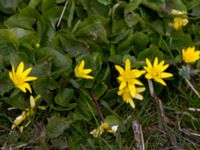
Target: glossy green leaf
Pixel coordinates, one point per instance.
(56, 126)
(8, 6)
(99, 90)
(64, 96)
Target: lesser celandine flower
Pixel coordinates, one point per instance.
(127, 96)
(128, 77)
(178, 23)
(103, 128)
(20, 77)
(190, 55)
(27, 113)
(156, 71)
(80, 72)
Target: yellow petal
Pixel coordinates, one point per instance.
(26, 72)
(82, 64)
(132, 90)
(137, 82)
(31, 78)
(138, 96)
(137, 73)
(122, 85)
(148, 63)
(127, 64)
(87, 77)
(132, 104)
(148, 76)
(161, 63)
(11, 76)
(32, 102)
(140, 89)
(155, 63)
(119, 69)
(166, 75)
(22, 87)
(20, 68)
(164, 67)
(13, 70)
(27, 86)
(86, 71)
(160, 81)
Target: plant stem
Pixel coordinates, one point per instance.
(97, 105)
(165, 120)
(61, 16)
(192, 87)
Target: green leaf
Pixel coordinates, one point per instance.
(130, 7)
(8, 6)
(178, 4)
(181, 40)
(34, 3)
(60, 62)
(60, 143)
(131, 17)
(137, 41)
(71, 13)
(95, 8)
(17, 101)
(112, 120)
(100, 89)
(5, 82)
(105, 2)
(64, 96)
(56, 126)
(93, 28)
(26, 18)
(69, 43)
(69, 107)
(20, 32)
(150, 53)
(44, 87)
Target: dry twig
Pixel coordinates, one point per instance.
(138, 134)
(165, 120)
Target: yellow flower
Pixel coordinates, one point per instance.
(80, 72)
(179, 22)
(20, 77)
(156, 71)
(27, 113)
(103, 128)
(190, 55)
(128, 77)
(126, 96)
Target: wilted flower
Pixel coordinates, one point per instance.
(27, 113)
(156, 71)
(128, 77)
(104, 128)
(190, 55)
(178, 23)
(125, 93)
(80, 72)
(177, 12)
(20, 77)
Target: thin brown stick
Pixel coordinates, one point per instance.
(97, 105)
(138, 134)
(165, 120)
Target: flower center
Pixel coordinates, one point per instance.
(128, 76)
(155, 73)
(18, 80)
